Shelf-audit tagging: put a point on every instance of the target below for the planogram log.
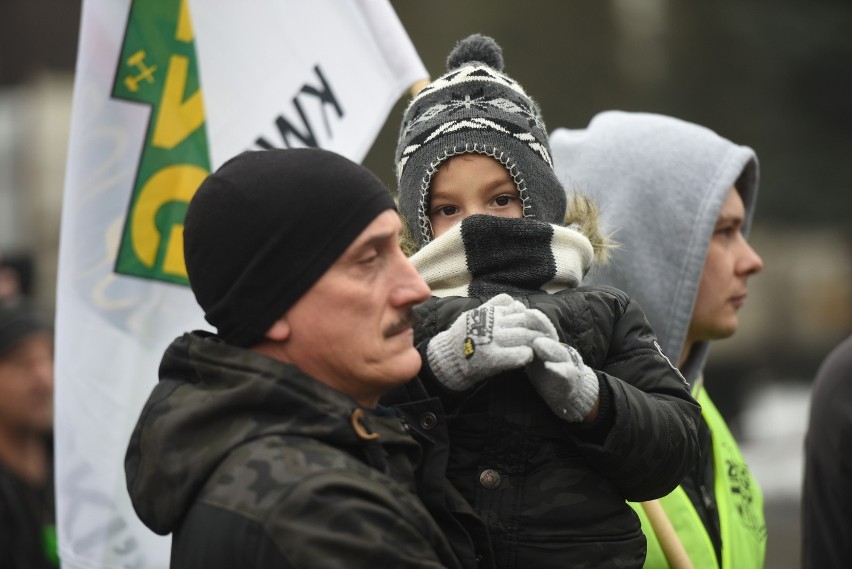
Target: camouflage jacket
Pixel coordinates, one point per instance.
(251, 463)
(553, 493)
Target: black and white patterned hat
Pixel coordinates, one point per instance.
(475, 108)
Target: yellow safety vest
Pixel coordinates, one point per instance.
(739, 502)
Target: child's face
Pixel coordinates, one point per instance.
(470, 184)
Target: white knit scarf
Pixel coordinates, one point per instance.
(485, 255)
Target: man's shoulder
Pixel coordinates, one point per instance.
(260, 475)
(302, 494)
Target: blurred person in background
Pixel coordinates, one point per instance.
(827, 490)
(679, 199)
(27, 531)
(11, 288)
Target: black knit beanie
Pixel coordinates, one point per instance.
(263, 228)
(18, 322)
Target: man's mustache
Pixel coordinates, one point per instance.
(408, 320)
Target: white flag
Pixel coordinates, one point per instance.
(165, 91)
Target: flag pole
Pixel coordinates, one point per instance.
(418, 86)
(667, 536)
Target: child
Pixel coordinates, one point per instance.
(554, 422)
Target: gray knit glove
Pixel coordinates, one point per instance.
(568, 386)
(485, 341)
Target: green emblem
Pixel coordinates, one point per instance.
(158, 67)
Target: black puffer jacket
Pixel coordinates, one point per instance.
(553, 493)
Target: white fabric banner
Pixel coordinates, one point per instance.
(165, 91)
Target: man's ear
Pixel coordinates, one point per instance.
(279, 331)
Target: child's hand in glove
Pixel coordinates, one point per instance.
(568, 386)
(487, 340)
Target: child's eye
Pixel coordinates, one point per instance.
(447, 210)
(503, 200)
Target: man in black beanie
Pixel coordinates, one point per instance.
(264, 445)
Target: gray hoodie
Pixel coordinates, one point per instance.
(627, 162)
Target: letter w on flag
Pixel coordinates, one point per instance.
(165, 91)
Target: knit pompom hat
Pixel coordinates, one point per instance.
(475, 108)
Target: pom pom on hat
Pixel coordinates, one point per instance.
(475, 108)
(476, 48)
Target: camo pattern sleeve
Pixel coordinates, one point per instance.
(303, 504)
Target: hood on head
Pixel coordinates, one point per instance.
(659, 183)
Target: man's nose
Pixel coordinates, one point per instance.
(749, 262)
(411, 288)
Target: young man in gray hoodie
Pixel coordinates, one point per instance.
(679, 199)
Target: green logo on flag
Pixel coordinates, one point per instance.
(158, 66)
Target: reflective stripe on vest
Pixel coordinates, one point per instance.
(738, 499)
